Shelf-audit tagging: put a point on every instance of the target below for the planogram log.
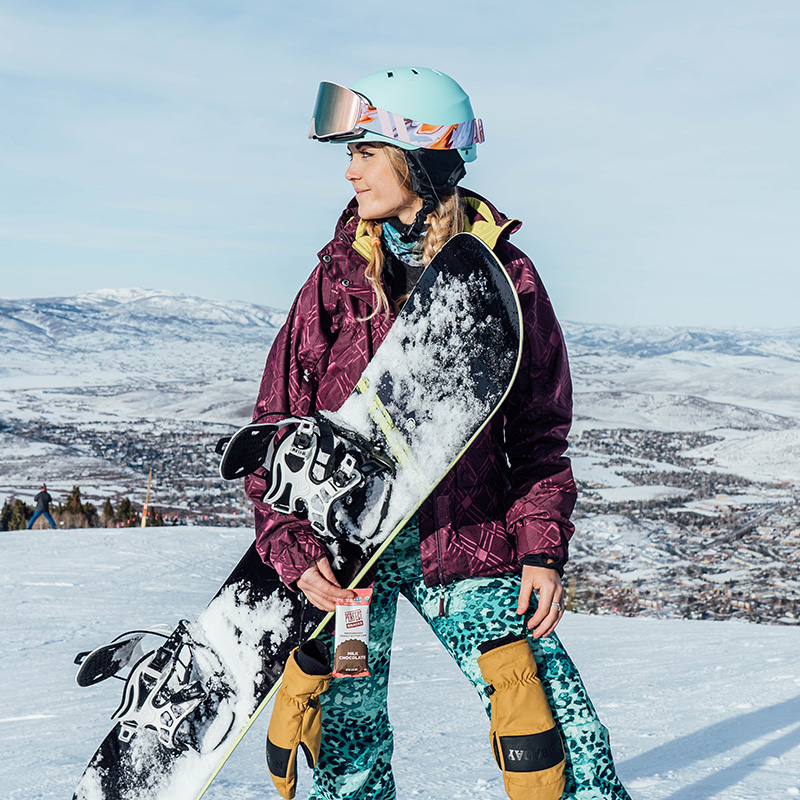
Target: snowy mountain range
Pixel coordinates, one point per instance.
(120, 318)
(657, 341)
(117, 311)
(134, 355)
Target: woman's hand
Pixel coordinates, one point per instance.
(547, 583)
(319, 585)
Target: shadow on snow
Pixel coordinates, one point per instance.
(720, 738)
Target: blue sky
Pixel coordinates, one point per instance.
(649, 147)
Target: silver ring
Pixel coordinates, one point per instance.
(557, 605)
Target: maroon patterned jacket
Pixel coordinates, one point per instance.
(511, 494)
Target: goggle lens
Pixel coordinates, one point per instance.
(336, 112)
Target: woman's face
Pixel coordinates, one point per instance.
(378, 191)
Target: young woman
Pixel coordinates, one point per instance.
(482, 560)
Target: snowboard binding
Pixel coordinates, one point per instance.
(159, 693)
(311, 464)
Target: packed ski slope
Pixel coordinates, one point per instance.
(696, 709)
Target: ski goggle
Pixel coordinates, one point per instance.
(340, 114)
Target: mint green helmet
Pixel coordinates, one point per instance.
(421, 94)
(419, 110)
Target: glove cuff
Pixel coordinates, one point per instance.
(312, 658)
(507, 663)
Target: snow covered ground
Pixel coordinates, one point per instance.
(696, 709)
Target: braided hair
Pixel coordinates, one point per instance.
(444, 222)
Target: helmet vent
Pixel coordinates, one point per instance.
(390, 74)
(415, 72)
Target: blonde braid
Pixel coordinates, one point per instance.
(444, 222)
(374, 269)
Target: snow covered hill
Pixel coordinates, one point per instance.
(696, 710)
(127, 335)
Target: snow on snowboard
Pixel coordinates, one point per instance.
(359, 474)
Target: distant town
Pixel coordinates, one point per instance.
(720, 547)
(725, 548)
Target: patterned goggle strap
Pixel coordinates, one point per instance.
(341, 114)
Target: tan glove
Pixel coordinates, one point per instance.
(526, 742)
(296, 716)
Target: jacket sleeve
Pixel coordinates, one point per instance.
(537, 417)
(288, 387)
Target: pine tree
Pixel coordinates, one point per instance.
(73, 504)
(90, 514)
(18, 516)
(107, 516)
(5, 515)
(74, 513)
(126, 513)
(154, 519)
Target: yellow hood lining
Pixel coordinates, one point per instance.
(486, 229)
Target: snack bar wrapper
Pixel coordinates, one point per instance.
(351, 639)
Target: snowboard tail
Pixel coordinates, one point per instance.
(444, 369)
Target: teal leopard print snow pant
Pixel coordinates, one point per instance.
(359, 768)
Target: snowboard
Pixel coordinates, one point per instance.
(443, 370)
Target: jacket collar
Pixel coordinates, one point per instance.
(481, 219)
